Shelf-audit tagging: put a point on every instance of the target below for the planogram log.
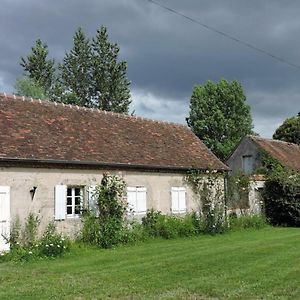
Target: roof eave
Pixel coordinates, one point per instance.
(90, 164)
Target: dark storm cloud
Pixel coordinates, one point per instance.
(166, 54)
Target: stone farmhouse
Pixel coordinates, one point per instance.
(53, 155)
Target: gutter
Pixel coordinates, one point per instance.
(93, 164)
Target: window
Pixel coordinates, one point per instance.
(136, 198)
(247, 164)
(74, 203)
(178, 200)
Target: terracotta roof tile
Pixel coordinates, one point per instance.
(42, 130)
(287, 154)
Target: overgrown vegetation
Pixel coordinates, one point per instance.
(26, 243)
(282, 198)
(104, 228)
(209, 191)
(238, 191)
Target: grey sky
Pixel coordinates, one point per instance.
(166, 54)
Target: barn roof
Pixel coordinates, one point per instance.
(287, 154)
(49, 132)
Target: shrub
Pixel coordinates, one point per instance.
(282, 198)
(105, 229)
(168, 226)
(28, 246)
(246, 222)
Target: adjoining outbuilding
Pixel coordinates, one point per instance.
(53, 155)
(248, 158)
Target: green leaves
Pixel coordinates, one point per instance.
(219, 115)
(90, 74)
(289, 131)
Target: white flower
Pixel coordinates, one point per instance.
(64, 247)
(214, 171)
(62, 239)
(29, 252)
(207, 171)
(47, 246)
(36, 245)
(51, 245)
(2, 254)
(58, 246)
(17, 243)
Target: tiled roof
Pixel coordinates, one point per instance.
(35, 130)
(287, 154)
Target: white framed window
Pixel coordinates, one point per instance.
(178, 200)
(74, 201)
(137, 199)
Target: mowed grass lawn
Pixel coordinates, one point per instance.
(262, 264)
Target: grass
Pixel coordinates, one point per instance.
(262, 264)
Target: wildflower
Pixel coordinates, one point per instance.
(47, 246)
(2, 254)
(17, 243)
(30, 252)
(51, 245)
(62, 239)
(207, 171)
(58, 246)
(214, 171)
(36, 245)
(64, 247)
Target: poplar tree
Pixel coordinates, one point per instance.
(110, 84)
(75, 76)
(38, 67)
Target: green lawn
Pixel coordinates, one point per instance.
(240, 265)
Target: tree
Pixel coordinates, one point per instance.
(219, 115)
(38, 67)
(289, 131)
(76, 71)
(110, 84)
(90, 75)
(27, 87)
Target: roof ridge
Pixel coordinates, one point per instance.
(73, 106)
(253, 137)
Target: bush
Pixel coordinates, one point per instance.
(27, 245)
(105, 229)
(282, 198)
(246, 222)
(168, 227)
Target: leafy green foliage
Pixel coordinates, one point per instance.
(282, 198)
(38, 67)
(105, 229)
(238, 191)
(110, 84)
(209, 190)
(25, 244)
(76, 72)
(246, 222)
(25, 86)
(90, 75)
(168, 226)
(289, 131)
(219, 115)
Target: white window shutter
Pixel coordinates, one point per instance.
(131, 199)
(60, 202)
(92, 199)
(181, 200)
(175, 206)
(141, 200)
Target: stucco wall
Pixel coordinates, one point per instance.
(21, 180)
(246, 148)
